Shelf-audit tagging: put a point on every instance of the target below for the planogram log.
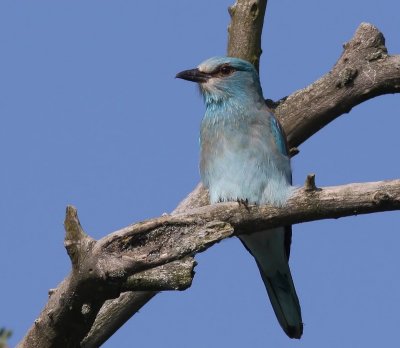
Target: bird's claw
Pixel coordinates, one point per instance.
(244, 203)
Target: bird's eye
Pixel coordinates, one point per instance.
(226, 70)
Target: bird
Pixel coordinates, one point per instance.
(244, 157)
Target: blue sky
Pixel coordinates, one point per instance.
(91, 115)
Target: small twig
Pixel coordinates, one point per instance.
(309, 184)
(76, 241)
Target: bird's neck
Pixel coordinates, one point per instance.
(232, 107)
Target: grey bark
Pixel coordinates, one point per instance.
(106, 267)
(363, 71)
(115, 313)
(245, 29)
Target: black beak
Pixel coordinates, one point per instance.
(194, 75)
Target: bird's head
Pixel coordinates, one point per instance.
(222, 78)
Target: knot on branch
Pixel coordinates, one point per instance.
(346, 77)
(245, 8)
(86, 309)
(375, 55)
(245, 29)
(254, 10)
(382, 198)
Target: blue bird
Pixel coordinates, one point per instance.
(244, 157)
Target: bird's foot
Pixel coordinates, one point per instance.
(244, 203)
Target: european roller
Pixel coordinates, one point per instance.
(244, 157)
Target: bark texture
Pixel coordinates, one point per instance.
(363, 71)
(115, 313)
(113, 264)
(245, 29)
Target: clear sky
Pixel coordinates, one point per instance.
(91, 115)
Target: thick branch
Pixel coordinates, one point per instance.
(113, 260)
(113, 314)
(176, 275)
(168, 238)
(245, 29)
(364, 71)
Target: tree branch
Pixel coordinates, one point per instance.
(76, 241)
(113, 314)
(363, 71)
(169, 238)
(176, 275)
(110, 265)
(245, 29)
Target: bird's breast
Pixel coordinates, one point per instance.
(239, 160)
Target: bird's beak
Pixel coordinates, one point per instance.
(194, 75)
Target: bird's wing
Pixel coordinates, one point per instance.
(281, 141)
(279, 136)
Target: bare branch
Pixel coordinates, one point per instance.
(76, 241)
(116, 312)
(113, 314)
(153, 242)
(176, 275)
(364, 71)
(245, 29)
(114, 259)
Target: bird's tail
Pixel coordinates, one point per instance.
(268, 250)
(285, 303)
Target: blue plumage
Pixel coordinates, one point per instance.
(244, 157)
